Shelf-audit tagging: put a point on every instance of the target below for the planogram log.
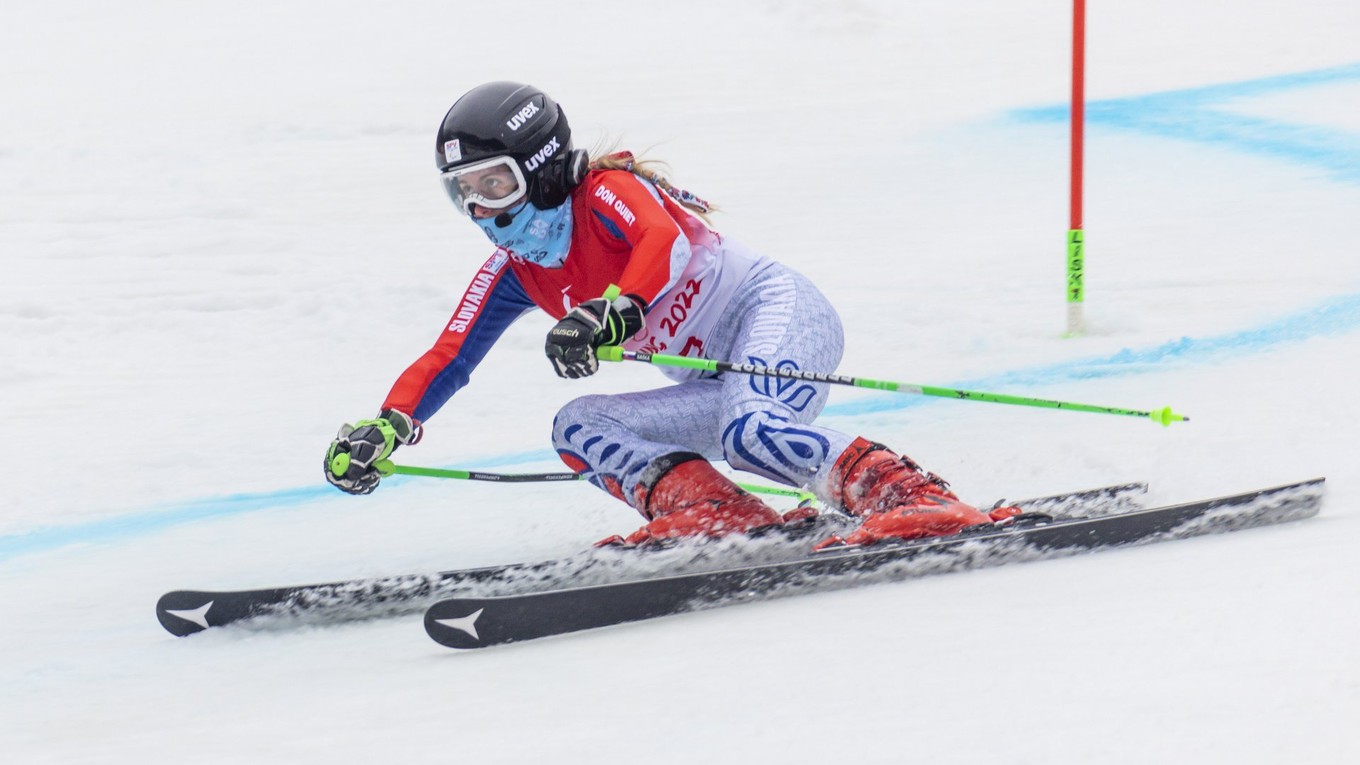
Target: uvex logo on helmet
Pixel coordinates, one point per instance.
(522, 116)
(543, 154)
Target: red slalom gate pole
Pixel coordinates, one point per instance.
(1076, 274)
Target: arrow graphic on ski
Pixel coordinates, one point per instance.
(197, 616)
(467, 623)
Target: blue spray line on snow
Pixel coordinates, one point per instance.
(1203, 115)
(1332, 317)
(139, 524)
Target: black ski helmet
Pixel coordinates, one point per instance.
(509, 119)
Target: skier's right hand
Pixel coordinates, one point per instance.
(358, 457)
(603, 321)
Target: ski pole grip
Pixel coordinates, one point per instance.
(684, 362)
(609, 353)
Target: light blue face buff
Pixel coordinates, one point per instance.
(539, 236)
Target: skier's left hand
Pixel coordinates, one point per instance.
(358, 457)
(571, 344)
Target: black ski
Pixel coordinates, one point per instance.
(467, 622)
(185, 612)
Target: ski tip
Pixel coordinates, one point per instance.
(183, 613)
(451, 624)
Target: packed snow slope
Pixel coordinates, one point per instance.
(222, 237)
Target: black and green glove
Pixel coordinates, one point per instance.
(358, 457)
(607, 320)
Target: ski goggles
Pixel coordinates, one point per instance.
(495, 183)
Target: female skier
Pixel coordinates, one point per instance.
(619, 256)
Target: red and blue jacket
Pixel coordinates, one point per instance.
(624, 232)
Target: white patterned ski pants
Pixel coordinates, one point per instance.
(761, 425)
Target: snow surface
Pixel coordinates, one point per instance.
(222, 237)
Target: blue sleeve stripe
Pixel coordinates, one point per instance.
(506, 302)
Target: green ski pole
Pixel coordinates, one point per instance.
(803, 497)
(614, 353)
(477, 475)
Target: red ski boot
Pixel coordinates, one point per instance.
(896, 498)
(684, 496)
